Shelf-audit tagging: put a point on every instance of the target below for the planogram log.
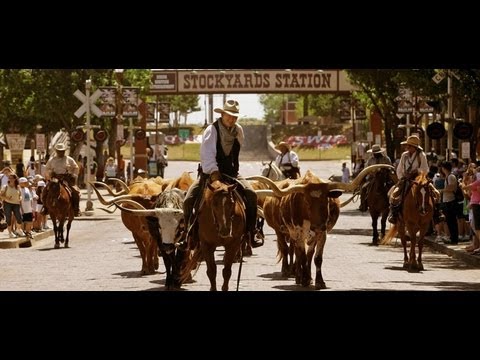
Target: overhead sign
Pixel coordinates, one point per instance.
(108, 101)
(164, 112)
(83, 98)
(16, 142)
(250, 81)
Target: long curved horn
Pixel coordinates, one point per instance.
(276, 190)
(141, 211)
(102, 184)
(122, 184)
(358, 180)
(348, 201)
(110, 202)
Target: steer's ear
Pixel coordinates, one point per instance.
(335, 193)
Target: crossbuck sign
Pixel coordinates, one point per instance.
(83, 98)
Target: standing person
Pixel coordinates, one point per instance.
(20, 168)
(162, 161)
(287, 161)
(345, 173)
(449, 202)
(121, 168)
(26, 206)
(219, 154)
(110, 170)
(11, 196)
(61, 164)
(378, 157)
(412, 161)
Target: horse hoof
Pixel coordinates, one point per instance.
(320, 286)
(57, 246)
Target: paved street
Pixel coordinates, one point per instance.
(103, 256)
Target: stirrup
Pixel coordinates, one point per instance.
(254, 242)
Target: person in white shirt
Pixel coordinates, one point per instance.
(412, 161)
(61, 164)
(287, 161)
(219, 153)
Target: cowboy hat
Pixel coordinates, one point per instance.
(231, 107)
(282, 143)
(375, 149)
(414, 141)
(60, 147)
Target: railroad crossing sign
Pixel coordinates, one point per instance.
(83, 98)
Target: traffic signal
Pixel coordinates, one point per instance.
(100, 135)
(77, 135)
(140, 134)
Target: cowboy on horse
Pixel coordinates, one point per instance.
(411, 163)
(219, 154)
(378, 157)
(66, 169)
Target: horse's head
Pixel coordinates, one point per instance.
(422, 193)
(271, 171)
(222, 204)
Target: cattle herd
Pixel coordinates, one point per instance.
(300, 211)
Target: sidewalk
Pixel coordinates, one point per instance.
(456, 251)
(95, 215)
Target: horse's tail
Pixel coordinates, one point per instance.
(390, 235)
(191, 263)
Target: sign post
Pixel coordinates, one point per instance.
(88, 105)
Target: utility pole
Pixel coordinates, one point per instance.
(450, 115)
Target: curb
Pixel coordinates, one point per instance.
(23, 242)
(459, 254)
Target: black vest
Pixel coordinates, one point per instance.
(227, 164)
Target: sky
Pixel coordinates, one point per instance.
(249, 106)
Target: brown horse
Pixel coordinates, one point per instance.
(58, 202)
(416, 216)
(377, 200)
(221, 222)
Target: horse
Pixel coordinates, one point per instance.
(416, 216)
(221, 222)
(58, 202)
(272, 171)
(377, 199)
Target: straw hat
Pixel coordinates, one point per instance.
(414, 141)
(231, 107)
(282, 144)
(375, 149)
(60, 147)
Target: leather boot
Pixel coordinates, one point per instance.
(256, 240)
(394, 212)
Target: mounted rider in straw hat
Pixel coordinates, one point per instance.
(378, 157)
(219, 154)
(411, 163)
(287, 161)
(61, 164)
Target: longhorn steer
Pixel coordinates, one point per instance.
(166, 224)
(304, 210)
(146, 192)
